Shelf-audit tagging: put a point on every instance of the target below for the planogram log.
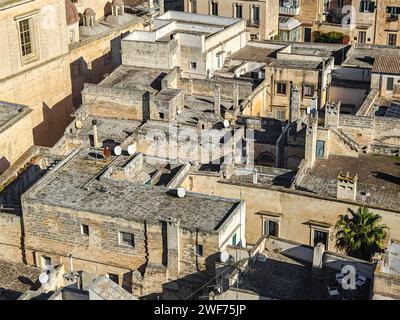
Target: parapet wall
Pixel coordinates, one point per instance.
(206, 87)
(109, 102)
(10, 237)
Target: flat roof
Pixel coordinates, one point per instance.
(254, 53)
(75, 184)
(363, 56)
(136, 78)
(11, 113)
(378, 178)
(16, 278)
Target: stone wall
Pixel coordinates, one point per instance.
(10, 237)
(110, 102)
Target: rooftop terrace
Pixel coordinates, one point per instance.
(378, 178)
(76, 183)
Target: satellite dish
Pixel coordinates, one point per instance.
(78, 124)
(131, 149)
(224, 256)
(117, 150)
(43, 278)
(179, 111)
(226, 123)
(181, 192)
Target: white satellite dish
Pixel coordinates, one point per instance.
(78, 124)
(224, 256)
(179, 111)
(226, 123)
(181, 192)
(117, 150)
(43, 278)
(131, 149)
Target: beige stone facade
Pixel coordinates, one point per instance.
(263, 25)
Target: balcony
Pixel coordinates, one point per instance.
(289, 10)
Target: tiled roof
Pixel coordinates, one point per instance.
(387, 64)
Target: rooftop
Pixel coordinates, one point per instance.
(128, 78)
(77, 183)
(387, 64)
(363, 56)
(10, 113)
(378, 178)
(15, 279)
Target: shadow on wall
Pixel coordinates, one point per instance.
(55, 120)
(191, 286)
(4, 164)
(100, 67)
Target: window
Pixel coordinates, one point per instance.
(321, 237)
(362, 36)
(281, 88)
(85, 229)
(270, 228)
(281, 114)
(193, 65)
(308, 90)
(193, 6)
(126, 239)
(238, 12)
(46, 261)
(389, 84)
(198, 250)
(392, 39)
(113, 277)
(234, 240)
(367, 6)
(26, 37)
(255, 15)
(214, 8)
(320, 149)
(394, 11)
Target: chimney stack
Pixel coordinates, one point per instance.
(255, 176)
(236, 96)
(217, 100)
(346, 186)
(95, 137)
(319, 250)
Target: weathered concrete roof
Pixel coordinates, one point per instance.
(363, 56)
(76, 184)
(16, 278)
(378, 178)
(11, 113)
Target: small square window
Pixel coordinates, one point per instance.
(308, 90)
(85, 229)
(281, 88)
(126, 239)
(193, 65)
(46, 261)
(198, 250)
(113, 277)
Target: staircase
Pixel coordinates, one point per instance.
(349, 141)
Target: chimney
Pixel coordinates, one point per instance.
(255, 176)
(95, 137)
(294, 109)
(217, 100)
(346, 186)
(236, 96)
(332, 114)
(318, 255)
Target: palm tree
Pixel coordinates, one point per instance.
(361, 235)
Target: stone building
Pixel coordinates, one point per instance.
(15, 120)
(47, 57)
(140, 235)
(261, 16)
